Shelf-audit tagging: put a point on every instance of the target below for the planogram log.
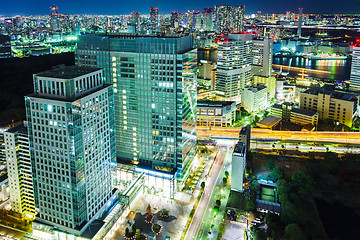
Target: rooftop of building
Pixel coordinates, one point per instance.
(256, 88)
(333, 92)
(239, 146)
(19, 129)
(269, 122)
(209, 103)
(68, 72)
(304, 112)
(139, 35)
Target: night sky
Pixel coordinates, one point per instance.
(114, 7)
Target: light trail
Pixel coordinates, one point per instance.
(300, 69)
(263, 134)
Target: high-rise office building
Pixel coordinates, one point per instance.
(300, 20)
(154, 19)
(355, 68)
(262, 55)
(229, 18)
(234, 65)
(54, 18)
(174, 21)
(154, 81)
(72, 143)
(19, 170)
(207, 19)
(134, 24)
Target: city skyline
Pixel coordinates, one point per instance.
(111, 7)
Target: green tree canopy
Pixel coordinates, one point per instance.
(293, 232)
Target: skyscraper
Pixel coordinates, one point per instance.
(155, 97)
(229, 18)
(262, 55)
(134, 24)
(174, 21)
(54, 18)
(71, 133)
(300, 20)
(154, 19)
(19, 170)
(355, 67)
(234, 58)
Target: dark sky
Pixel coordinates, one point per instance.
(31, 7)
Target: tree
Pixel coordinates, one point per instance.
(270, 164)
(250, 205)
(276, 173)
(202, 185)
(224, 180)
(259, 235)
(218, 202)
(133, 228)
(127, 231)
(293, 232)
(226, 174)
(148, 209)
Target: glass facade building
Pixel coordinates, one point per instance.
(229, 18)
(72, 142)
(355, 68)
(234, 65)
(154, 80)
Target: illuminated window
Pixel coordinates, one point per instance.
(114, 59)
(124, 96)
(124, 102)
(124, 91)
(125, 127)
(134, 128)
(115, 90)
(125, 117)
(125, 122)
(134, 139)
(115, 85)
(124, 107)
(124, 112)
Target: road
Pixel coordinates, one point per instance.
(260, 134)
(195, 228)
(208, 217)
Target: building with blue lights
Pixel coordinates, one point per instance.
(154, 80)
(72, 146)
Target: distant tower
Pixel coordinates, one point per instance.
(154, 18)
(54, 10)
(54, 18)
(355, 67)
(300, 21)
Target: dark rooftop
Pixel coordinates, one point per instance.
(68, 72)
(333, 92)
(303, 112)
(239, 147)
(19, 129)
(139, 35)
(208, 103)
